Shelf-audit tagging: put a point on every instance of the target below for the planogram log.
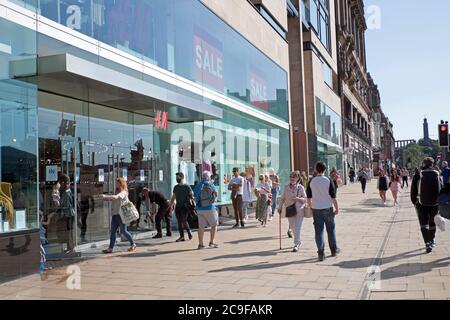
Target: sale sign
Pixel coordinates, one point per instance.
(208, 55)
(258, 89)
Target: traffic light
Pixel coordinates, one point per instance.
(443, 135)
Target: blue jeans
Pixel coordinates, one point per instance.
(116, 223)
(274, 199)
(321, 218)
(245, 205)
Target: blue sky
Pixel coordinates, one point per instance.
(409, 59)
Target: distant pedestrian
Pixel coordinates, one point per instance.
(262, 192)
(321, 198)
(394, 186)
(334, 177)
(405, 175)
(65, 216)
(118, 201)
(382, 185)
(246, 196)
(445, 173)
(425, 189)
(352, 175)
(205, 197)
(294, 194)
(181, 196)
(362, 178)
(304, 179)
(275, 190)
(236, 187)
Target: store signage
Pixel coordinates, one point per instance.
(208, 55)
(101, 175)
(162, 120)
(51, 173)
(258, 89)
(20, 219)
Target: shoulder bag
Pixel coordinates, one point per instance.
(128, 212)
(291, 211)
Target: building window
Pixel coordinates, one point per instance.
(327, 74)
(320, 20)
(328, 123)
(272, 21)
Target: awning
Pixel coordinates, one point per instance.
(78, 78)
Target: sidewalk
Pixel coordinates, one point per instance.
(249, 264)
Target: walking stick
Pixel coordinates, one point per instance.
(279, 227)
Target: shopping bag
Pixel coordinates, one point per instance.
(440, 222)
(128, 213)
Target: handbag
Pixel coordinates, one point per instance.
(308, 212)
(291, 211)
(128, 212)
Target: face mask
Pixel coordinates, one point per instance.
(178, 180)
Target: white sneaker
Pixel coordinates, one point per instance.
(270, 218)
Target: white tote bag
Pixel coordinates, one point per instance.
(128, 212)
(308, 212)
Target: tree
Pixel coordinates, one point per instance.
(415, 153)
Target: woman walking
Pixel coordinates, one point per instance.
(334, 177)
(294, 194)
(262, 191)
(118, 200)
(383, 186)
(395, 185)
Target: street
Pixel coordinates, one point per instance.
(249, 265)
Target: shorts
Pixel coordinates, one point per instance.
(207, 218)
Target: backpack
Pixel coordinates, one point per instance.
(207, 197)
(429, 187)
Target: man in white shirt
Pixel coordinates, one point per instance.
(236, 187)
(321, 198)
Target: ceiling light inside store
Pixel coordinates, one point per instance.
(5, 48)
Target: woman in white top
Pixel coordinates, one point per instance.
(116, 222)
(294, 193)
(246, 195)
(262, 191)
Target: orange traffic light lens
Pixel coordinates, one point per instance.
(444, 128)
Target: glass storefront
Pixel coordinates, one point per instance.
(18, 130)
(94, 144)
(329, 129)
(184, 37)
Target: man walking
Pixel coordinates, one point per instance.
(405, 175)
(363, 177)
(236, 187)
(445, 173)
(321, 198)
(205, 196)
(182, 193)
(425, 189)
(274, 190)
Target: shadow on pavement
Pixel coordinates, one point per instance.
(411, 269)
(364, 263)
(152, 253)
(252, 240)
(245, 255)
(263, 265)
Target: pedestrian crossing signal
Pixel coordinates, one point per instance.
(443, 135)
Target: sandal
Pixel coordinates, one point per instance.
(213, 245)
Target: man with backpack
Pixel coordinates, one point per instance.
(205, 195)
(425, 190)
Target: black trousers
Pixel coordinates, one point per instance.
(163, 213)
(363, 184)
(84, 216)
(426, 216)
(405, 180)
(182, 214)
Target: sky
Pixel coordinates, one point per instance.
(409, 59)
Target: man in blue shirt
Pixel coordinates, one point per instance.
(205, 195)
(445, 173)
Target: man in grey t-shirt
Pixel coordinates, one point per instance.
(321, 198)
